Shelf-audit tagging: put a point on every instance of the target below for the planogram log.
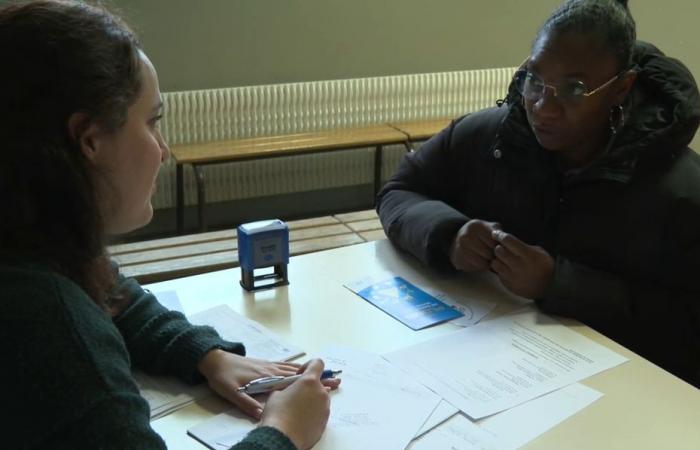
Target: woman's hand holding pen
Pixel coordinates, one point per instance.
(301, 410)
(226, 372)
(525, 270)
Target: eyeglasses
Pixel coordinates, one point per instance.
(570, 93)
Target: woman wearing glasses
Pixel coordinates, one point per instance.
(578, 191)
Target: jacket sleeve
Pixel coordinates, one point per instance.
(162, 341)
(412, 205)
(658, 320)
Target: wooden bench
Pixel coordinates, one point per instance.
(421, 130)
(198, 155)
(179, 256)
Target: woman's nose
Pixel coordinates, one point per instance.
(164, 148)
(548, 105)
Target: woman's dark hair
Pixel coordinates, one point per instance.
(610, 20)
(58, 58)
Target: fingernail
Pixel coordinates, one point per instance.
(259, 412)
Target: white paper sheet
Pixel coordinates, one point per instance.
(443, 412)
(517, 426)
(376, 407)
(167, 394)
(224, 430)
(458, 433)
(170, 300)
(259, 342)
(512, 428)
(501, 363)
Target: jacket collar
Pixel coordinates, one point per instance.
(662, 115)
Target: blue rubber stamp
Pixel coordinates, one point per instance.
(263, 244)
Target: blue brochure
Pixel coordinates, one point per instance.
(407, 303)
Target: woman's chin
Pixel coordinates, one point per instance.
(550, 142)
(129, 224)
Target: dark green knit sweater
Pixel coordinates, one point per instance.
(67, 377)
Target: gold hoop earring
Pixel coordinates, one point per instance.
(617, 119)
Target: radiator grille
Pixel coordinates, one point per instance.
(218, 114)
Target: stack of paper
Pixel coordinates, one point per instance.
(499, 384)
(377, 406)
(510, 429)
(166, 394)
(501, 363)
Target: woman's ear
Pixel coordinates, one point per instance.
(85, 133)
(623, 88)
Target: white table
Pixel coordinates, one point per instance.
(644, 407)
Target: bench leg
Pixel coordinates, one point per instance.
(179, 200)
(377, 171)
(201, 197)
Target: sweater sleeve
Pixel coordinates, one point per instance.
(265, 438)
(162, 341)
(412, 205)
(67, 370)
(118, 422)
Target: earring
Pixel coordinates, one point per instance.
(617, 119)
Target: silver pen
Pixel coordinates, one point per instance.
(267, 384)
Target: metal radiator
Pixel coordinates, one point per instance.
(250, 111)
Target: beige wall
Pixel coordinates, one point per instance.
(213, 43)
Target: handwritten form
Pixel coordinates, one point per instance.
(167, 394)
(501, 363)
(377, 406)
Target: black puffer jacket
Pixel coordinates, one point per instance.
(625, 232)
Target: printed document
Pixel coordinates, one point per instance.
(501, 363)
(517, 426)
(512, 428)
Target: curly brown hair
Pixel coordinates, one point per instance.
(59, 57)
